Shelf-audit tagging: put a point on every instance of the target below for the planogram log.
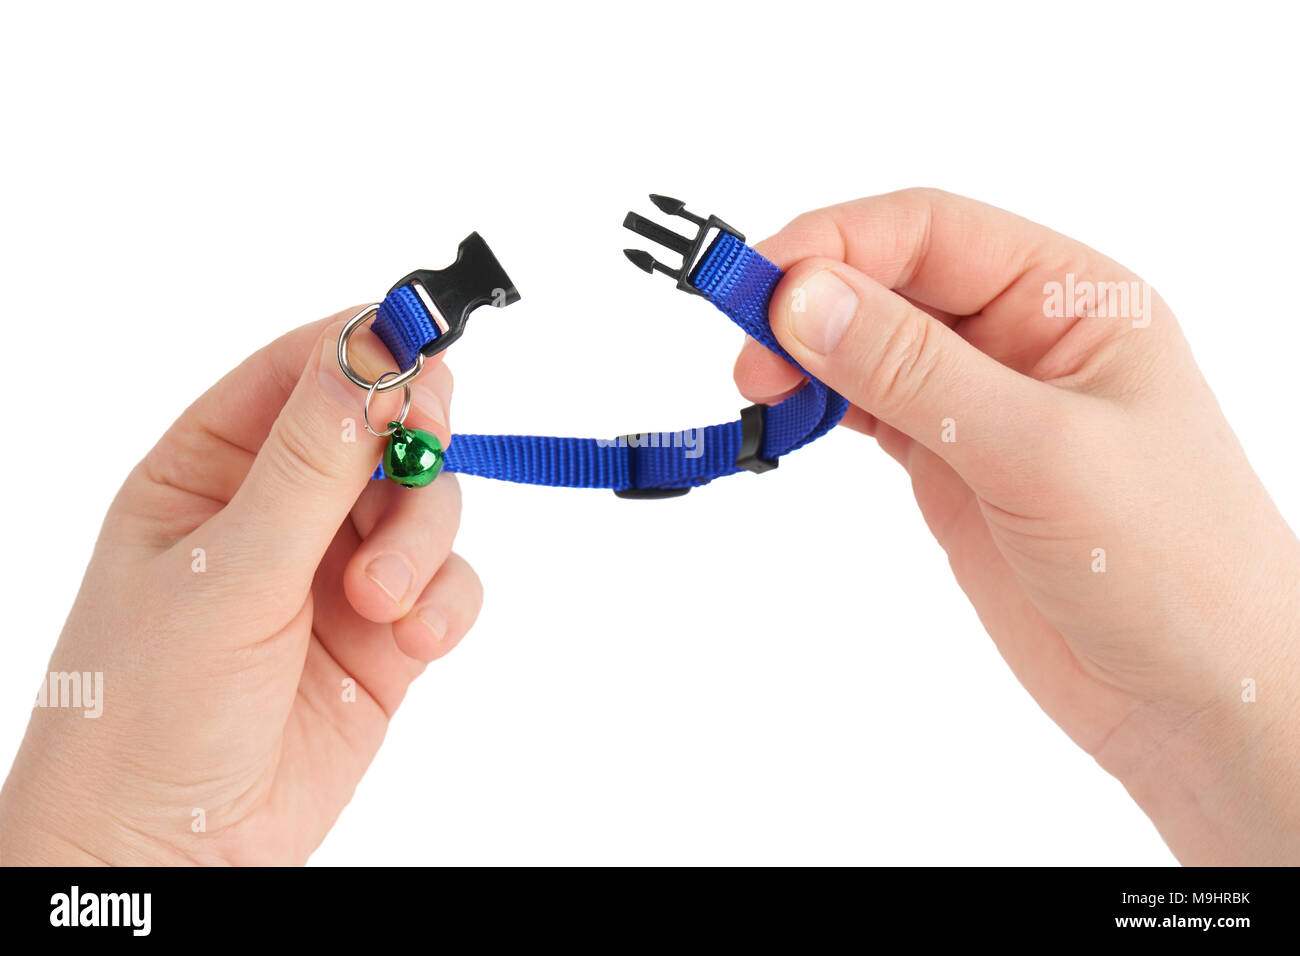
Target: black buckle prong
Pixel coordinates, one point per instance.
(475, 278)
(690, 249)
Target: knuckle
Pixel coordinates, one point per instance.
(473, 587)
(454, 495)
(467, 580)
(817, 229)
(903, 364)
(436, 529)
(922, 194)
(297, 456)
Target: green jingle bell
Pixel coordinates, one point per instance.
(413, 457)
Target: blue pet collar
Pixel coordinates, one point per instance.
(426, 311)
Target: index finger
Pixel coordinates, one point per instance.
(944, 251)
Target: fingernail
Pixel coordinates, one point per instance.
(820, 315)
(392, 573)
(432, 618)
(429, 403)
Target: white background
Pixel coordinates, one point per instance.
(769, 670)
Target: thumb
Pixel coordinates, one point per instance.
(907, 368)
(315, 461)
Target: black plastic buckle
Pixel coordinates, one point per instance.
(689, 249)
(753, 426)
(475, 278)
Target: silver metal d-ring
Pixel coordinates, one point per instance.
(399, 379)
(401, 416)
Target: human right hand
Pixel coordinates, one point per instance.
(1094, 504)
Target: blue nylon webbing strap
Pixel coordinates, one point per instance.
(404, 325)
(734, 278)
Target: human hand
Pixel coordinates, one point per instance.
(257, 608)
(1093, 502)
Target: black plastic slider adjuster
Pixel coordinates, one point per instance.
(689, 249)
(451, 294)
(632, 442)
(753, 427)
